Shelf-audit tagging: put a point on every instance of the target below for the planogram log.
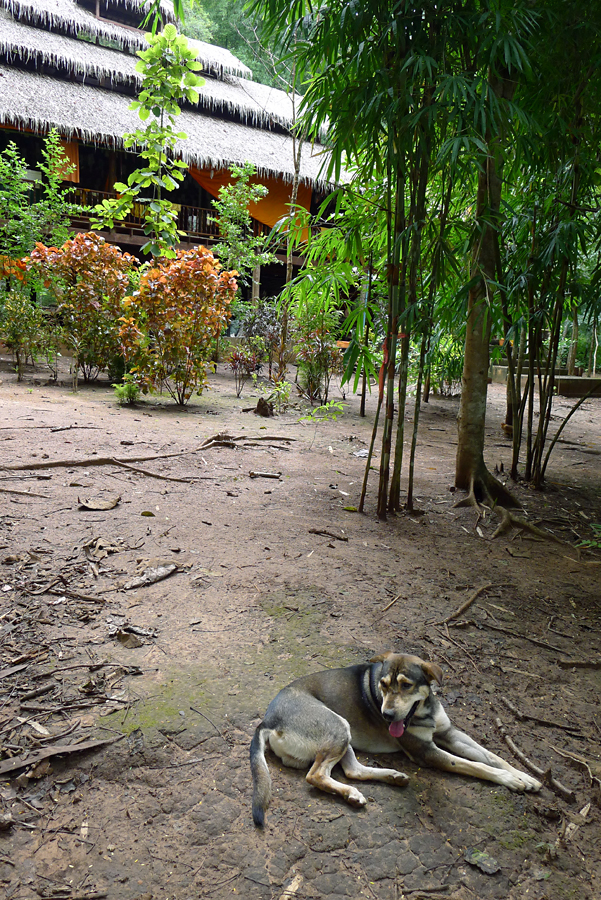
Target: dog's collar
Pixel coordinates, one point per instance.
(371, 688)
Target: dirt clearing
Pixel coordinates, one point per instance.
(165, 604)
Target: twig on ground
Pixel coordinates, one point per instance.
(579, 663)
(337, 537)
(4, 490)
(392, 602)
(524, 716)
(463, 650)
(94, 461)
(544, 775)
(36, 756)
(515, 634)
(218, 730)
(75, 595)
(63, 592)
(464, 606)
(154, 474)
(46, 588)
(70, 427)
(580, 762)
(22, 477)
(223, 438)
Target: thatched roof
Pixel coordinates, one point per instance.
(166, 7)
(248, 101)
(97, 116)
(89, 88)
(65, 17)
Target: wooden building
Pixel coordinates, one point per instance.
(70, 64)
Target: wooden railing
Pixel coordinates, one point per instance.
(193, 220)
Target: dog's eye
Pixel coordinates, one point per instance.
(406, 685)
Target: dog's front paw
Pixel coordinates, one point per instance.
(531, 783)
(520, 781)
(399, 779)
(355, 797)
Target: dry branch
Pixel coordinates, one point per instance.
(75, 595)
(545, 776)
(4, 490)
(463, 606)
(448, 637)
(392, 602)
(95, 461)
(546, 722)
(337, 537)
(579, 663)
(581, 763)
(31, 759)
(114, 460)
(515, 634)
(153, 474)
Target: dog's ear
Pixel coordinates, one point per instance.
(382, 657)
(433, 672)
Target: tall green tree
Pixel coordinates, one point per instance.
(169, 69)
(500, 61)
(552, 236)
(238, 247)
(392, 81)
(34, 211)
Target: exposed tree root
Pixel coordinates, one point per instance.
(484, 488)
(509, 521)
(486, 492)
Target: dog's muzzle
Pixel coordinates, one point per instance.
(397, 729)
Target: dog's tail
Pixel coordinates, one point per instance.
(260, 774)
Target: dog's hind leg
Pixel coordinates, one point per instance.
(354, 769)
(319, 776)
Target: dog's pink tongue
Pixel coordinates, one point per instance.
(396, 729)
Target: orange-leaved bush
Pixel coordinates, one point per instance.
(169, 324)
(89, 279)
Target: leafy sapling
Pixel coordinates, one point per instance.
(168, 68)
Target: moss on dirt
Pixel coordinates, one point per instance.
(243, 688)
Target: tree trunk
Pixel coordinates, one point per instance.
(573, 343)
(390, 344)
(471, 473)
(256, 284)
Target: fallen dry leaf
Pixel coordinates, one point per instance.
(97, 503)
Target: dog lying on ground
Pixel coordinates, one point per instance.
(382, 706)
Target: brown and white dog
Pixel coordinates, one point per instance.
(378, 707)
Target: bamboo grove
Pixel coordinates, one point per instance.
(466, 136)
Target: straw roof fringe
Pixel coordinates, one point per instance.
(66, 18)
(248, 101)
(22, 43)
(166, 7)
(103, 117)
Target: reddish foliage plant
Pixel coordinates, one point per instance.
(11, 268)
(171, 321)
(90, 278)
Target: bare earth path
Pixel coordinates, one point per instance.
(275, 578)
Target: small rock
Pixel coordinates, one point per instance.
(482, 860)
(6, 821)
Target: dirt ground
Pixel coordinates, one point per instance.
(273, 578)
